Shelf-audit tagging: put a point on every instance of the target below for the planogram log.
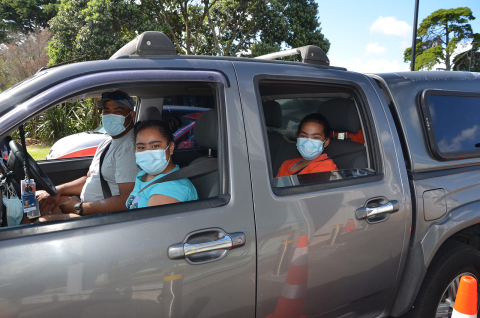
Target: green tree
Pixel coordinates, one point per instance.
(463, 60)
(23, 57)
(25, 16)
(289, 23)
(98, 28)
(439, 35)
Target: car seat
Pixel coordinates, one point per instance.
(342, 115)
(206, 136)
(150, 113)
(280, 148)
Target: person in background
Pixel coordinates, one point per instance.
(154, 149)
(312, 139)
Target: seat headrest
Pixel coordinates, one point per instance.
(273, 114)
(150, 113)
(341, 114)
(206, 130)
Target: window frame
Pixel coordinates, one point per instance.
(366, 119)
(429, 129)
(41, 103)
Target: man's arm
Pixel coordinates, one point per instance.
(112, 204)
(74, 187)
(71, 188)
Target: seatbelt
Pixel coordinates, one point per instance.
(107, 192)
(193, 170)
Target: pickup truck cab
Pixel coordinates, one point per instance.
(389, 233)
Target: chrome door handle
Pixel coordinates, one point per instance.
(366, 212)
(222, 243)
(203, 252)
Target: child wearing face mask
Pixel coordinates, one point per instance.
(154, 149)
(312, 139)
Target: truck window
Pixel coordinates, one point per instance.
(342, 152)
(452, 122)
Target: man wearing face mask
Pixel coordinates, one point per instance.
(86, 195)
(312, 139)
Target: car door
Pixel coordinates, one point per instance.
(120, 264)
(317, 255)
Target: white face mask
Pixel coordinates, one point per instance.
(152, 161)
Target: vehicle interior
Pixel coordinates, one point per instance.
(193, 103)
(284, 105)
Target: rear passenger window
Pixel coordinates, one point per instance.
(315, 133)
(452, 123)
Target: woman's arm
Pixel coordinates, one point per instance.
(159, 199)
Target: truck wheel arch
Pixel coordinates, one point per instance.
(461, 224)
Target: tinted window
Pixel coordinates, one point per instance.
(456, 122)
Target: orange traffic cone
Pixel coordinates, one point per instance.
(466, 301)
(290, 304)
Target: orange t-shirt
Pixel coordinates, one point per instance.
(320, 164)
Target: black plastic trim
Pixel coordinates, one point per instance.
(429, 130)
(440, 173)
(111, 218)
(366, 117)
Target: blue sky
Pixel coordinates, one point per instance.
(371, 36)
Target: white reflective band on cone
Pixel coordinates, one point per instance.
(294, 291)
(456, 314)
(300, 256)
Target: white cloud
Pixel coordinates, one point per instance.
(391, 26)
(370, 66)
(375, 48)
(468, 134)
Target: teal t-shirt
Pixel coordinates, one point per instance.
(182, 190)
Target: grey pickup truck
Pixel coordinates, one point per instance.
(387, 234)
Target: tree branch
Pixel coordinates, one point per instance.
(184, 11)
(212, 28)
(172, 34)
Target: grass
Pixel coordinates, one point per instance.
(38, 152)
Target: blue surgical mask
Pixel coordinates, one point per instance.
(309, 148)
(113, 124)
(14, 210)
(152, 161)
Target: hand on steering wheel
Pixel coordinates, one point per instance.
(42, 180)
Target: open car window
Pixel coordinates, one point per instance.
(346, 153)
(208, 187)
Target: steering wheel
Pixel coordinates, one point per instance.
(15, 163)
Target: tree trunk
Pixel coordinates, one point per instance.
(447, 54)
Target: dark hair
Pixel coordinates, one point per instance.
(315, 118)
(165, 127)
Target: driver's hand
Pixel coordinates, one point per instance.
(47, 202)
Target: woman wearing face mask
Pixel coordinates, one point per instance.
(312, 139)
(154, 150)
